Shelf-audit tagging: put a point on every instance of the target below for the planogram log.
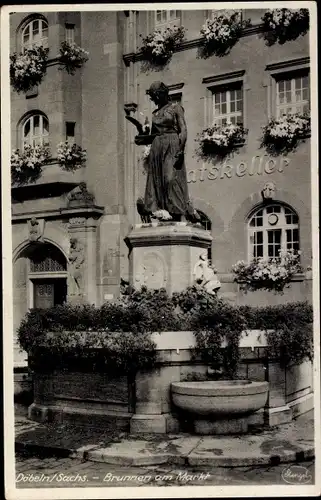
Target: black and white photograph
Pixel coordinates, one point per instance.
(160, 250)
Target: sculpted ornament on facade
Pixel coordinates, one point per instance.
(80, 196)
(76, 261)
(268, 192)
(77, 221)
(36, 229)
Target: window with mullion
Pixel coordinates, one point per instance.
(35, 33)
(292, 95)
(273, 229)
(163, 18)
(228, 106)
(35, 131)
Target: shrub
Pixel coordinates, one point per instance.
(116, 336)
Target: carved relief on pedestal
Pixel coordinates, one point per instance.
(151, 271)
(36, 229)
(75, 268)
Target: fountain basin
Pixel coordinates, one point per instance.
(220, 407)
(219, 398)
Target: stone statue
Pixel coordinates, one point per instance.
(205, 275)
(80, 195)
(35, 229)
(166, 193)
(76, 260)
(268, 192)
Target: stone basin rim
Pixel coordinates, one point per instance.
(220, 388)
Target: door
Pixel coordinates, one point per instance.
(43, 294)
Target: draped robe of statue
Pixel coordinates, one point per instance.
(166, 186)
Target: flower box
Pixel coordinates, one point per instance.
(221, 33)
(26, 165)
(70, 156)
(283, 135)
(282, 25)
(158, 47)
(72, 57)
(272, 275)
(28, 68)
(220, 141)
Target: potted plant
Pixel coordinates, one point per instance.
(282, 135)
(26, 164)
(158, 47)
(282, 25)
(70, 156)
(72, 57)
(220, 140)
(28, 68)
(272, 275)
(221, 33)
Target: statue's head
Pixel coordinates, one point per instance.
(158, 92)
(33, 221)
(203, 256)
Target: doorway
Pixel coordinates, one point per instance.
(49, 292)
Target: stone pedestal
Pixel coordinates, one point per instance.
(163, 254)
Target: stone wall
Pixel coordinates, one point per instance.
(144, 404)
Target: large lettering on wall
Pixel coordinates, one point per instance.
(258, 165)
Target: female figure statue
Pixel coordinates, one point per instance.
(166, 194)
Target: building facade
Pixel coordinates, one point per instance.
(254, 204)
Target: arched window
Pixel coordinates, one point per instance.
(271, 229)
(35, 130)
(207, 225)
(35, 33)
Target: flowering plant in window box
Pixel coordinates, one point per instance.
(219, 141)
(282, 25)
(28, 68)
(158, 47)
(70, 156)
(26, 164)
(72, 56)
(284, 134)
(221, 33)
(272, 275)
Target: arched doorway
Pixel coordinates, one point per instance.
(39, 279)
(47, 276)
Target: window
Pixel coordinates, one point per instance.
(272, 229)
(228, 105)
(222, 12)
(35, 33)
(165, 17)
(47, 258)
(70, 132)
(292, 94)
(70, 33)
(35, 130)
